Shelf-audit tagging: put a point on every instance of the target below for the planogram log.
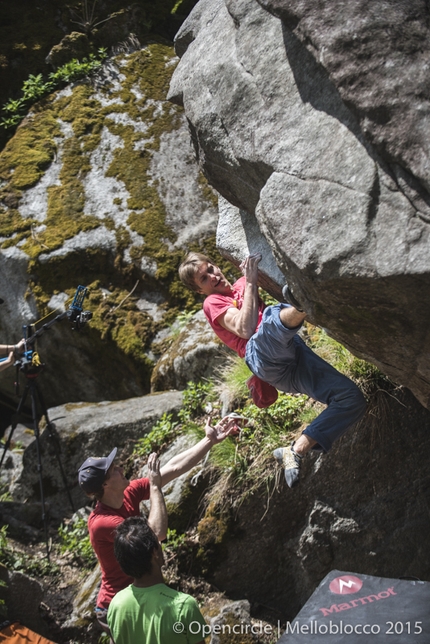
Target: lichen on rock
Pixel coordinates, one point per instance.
(99, 187)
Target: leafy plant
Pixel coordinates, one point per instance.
(75, 538)
(284, 413)
(162, 433)
(180, 323)
(5, 494)
(266, 429)
(195, 398)
(36, 87)
(175, 542)
(174, 539)
(20, 561)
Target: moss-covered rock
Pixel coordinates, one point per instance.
(74, 45)
(99, 187)
(194, 354)
(213, 530)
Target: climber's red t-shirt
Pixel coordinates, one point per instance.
(215, 305)
(101, 525)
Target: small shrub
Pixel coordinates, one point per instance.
(36, 87)
(195, 399)
(162, 433)
(174, 539)
(180, 323)
(20, 561)
(75, 538)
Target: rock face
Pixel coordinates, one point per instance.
(82, 430)
(360, 508)
(23, 597)
(313, 124)
(184, 493)
(99, 187)
(193, 356)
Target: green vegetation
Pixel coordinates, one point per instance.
(104, 639)
(180, 323)
(233, 379)
(75, 539)
(36, 87)
(3, 607)
(195, 398)
(32, 150)
(67, 130)
(28, 33)
(174, 541)
(13, 559)
(244, 463)
(5, 494)
(161, 435)
(366, 375)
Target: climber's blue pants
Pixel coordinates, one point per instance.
(278, 356)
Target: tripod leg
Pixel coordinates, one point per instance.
(14, 423)
(39, 463)
(54, 439)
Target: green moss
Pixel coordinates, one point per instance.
(212, 530)
(130, 334)
(146, 72)
(147, 75)
(28, 31)
(11, 222)
(182, 514)
(30, 152)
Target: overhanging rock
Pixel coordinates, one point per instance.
(347, 228)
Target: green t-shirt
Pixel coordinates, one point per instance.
(155, 615)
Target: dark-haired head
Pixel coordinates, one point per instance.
(134, 545)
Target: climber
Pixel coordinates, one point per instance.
(267, 338)
(118, 498)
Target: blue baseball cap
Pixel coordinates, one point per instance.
(92, 472)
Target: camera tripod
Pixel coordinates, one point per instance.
(31, 373)
(30, 365)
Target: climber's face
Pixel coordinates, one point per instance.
(209, 279)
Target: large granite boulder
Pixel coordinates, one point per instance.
(23, 596)
(361, 508)
(194, 354)
(99, 187)
(81, 430)
(318, 139)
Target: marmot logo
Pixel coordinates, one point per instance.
(345, 585)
